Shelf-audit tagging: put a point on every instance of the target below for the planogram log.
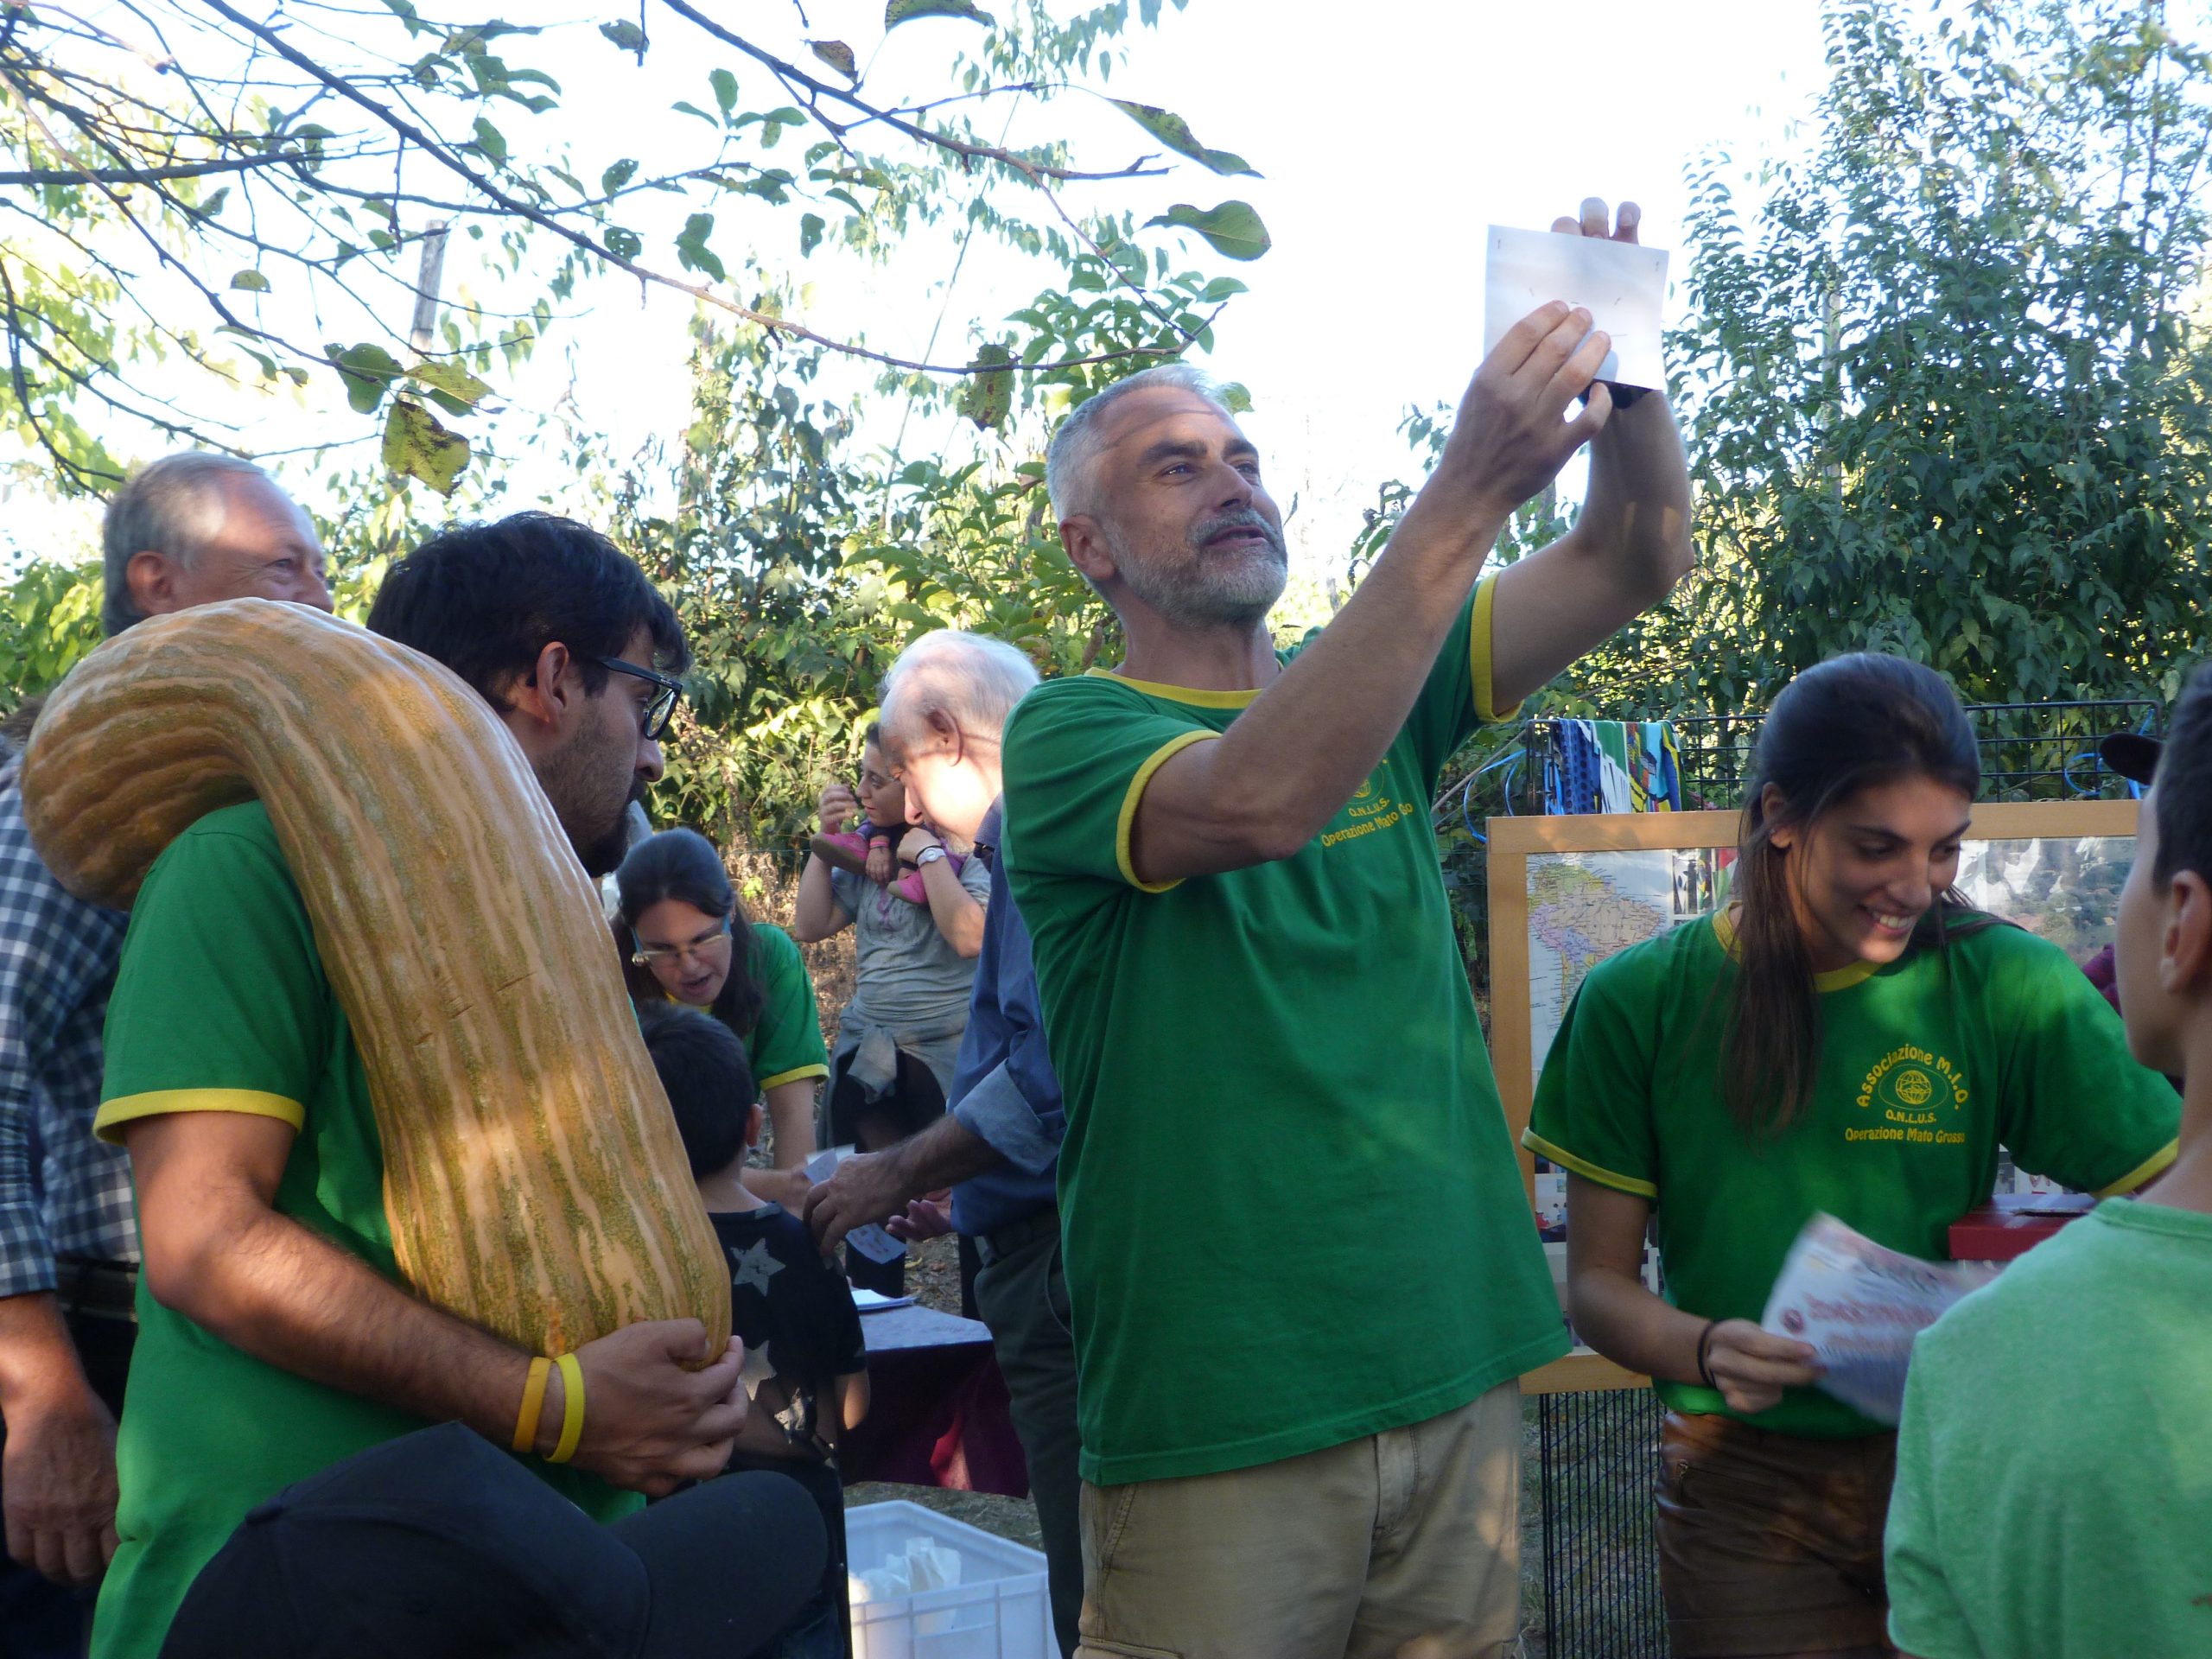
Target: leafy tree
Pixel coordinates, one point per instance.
(201, 201)
(1945, 392)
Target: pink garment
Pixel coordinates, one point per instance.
(908, 883)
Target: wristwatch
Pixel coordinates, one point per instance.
(928, 855)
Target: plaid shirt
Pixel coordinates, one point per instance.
(62, 1192)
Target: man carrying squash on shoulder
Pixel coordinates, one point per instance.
(189, 529)
(276, 1336)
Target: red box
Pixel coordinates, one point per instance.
(1993, 1235)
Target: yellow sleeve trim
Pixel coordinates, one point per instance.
(2154, 1165)
(1127, 822)
(792, 1076)
(126, 1108)
(1478, 659)
(1588, 1171)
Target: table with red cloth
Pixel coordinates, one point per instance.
(937, 1413)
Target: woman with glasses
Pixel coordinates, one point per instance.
(684, 927)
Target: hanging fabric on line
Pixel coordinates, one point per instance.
(1613, 766)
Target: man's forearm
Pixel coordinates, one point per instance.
(1638, 505)
(941, 1155)
(1269, 784)
(286, 1295)
(37, 1359)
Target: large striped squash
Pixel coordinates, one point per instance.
(534, 1177)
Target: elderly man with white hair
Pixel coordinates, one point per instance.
(945, 703)
(1304, 1277)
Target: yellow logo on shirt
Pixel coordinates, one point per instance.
(1911, 1086)
(1369, 811)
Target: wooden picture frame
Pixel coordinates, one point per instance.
(1513, 841)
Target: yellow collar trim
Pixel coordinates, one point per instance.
(1188, 694)
(1837, 979)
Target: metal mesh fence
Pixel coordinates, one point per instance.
(1600, 1461)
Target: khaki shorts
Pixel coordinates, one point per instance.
(1407, 1543)
(1772, 1544)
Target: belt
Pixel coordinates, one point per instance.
(1018, 1236)
(98, 1290)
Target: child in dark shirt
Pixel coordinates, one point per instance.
(805, 1360)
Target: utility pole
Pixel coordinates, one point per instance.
(426, 286)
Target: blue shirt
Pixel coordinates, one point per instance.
(62, 1192)
(1004, 1090)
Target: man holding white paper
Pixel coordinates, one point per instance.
(1298, 1440)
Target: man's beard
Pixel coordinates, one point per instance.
(581, 788)
(1199, 590)
(605, 854)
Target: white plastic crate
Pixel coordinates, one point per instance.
(999, 1610)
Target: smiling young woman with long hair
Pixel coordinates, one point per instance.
(1845, 1036)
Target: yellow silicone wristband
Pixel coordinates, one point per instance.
(533, 1404)
(572, 1408)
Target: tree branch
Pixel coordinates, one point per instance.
(444, 157)
(1034, 171)
(146, 174)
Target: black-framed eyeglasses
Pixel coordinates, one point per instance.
(661, 709)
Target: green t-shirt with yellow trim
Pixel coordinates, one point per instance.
(1291, 1213)
(1926, 1065)
(221, 1004)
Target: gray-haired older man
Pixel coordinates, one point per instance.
(1303, 1274)
(945, 701)
(188, 530)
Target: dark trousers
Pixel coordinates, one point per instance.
(1024, 1299)
(40, 1619)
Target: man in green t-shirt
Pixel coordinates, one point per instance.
(1302, 1269)
(275, 1336)
(2053, 1480)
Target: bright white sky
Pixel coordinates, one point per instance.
(1391, 136)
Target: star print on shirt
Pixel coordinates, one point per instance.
(755, 1268)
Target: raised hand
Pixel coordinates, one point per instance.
(1512, 435)
(838, 804)
(1593, 220)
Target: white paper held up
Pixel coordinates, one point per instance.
(1859, 1304)
(1620, 283)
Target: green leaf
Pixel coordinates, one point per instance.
(1173, 130)
(616, 177)
(626, 35)
(988, 398)
(488, 140)
(725, 86)
(691, 246)
(624, 244)
(838, 56)
(683, 108)
(416, 446)
(455, 382)
(368, 371)
(1233, 228)
(250, 282)
(810, 232)
(903, 11)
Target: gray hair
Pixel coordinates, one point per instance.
(1068, 461)
(973, 679)
(174, 507)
